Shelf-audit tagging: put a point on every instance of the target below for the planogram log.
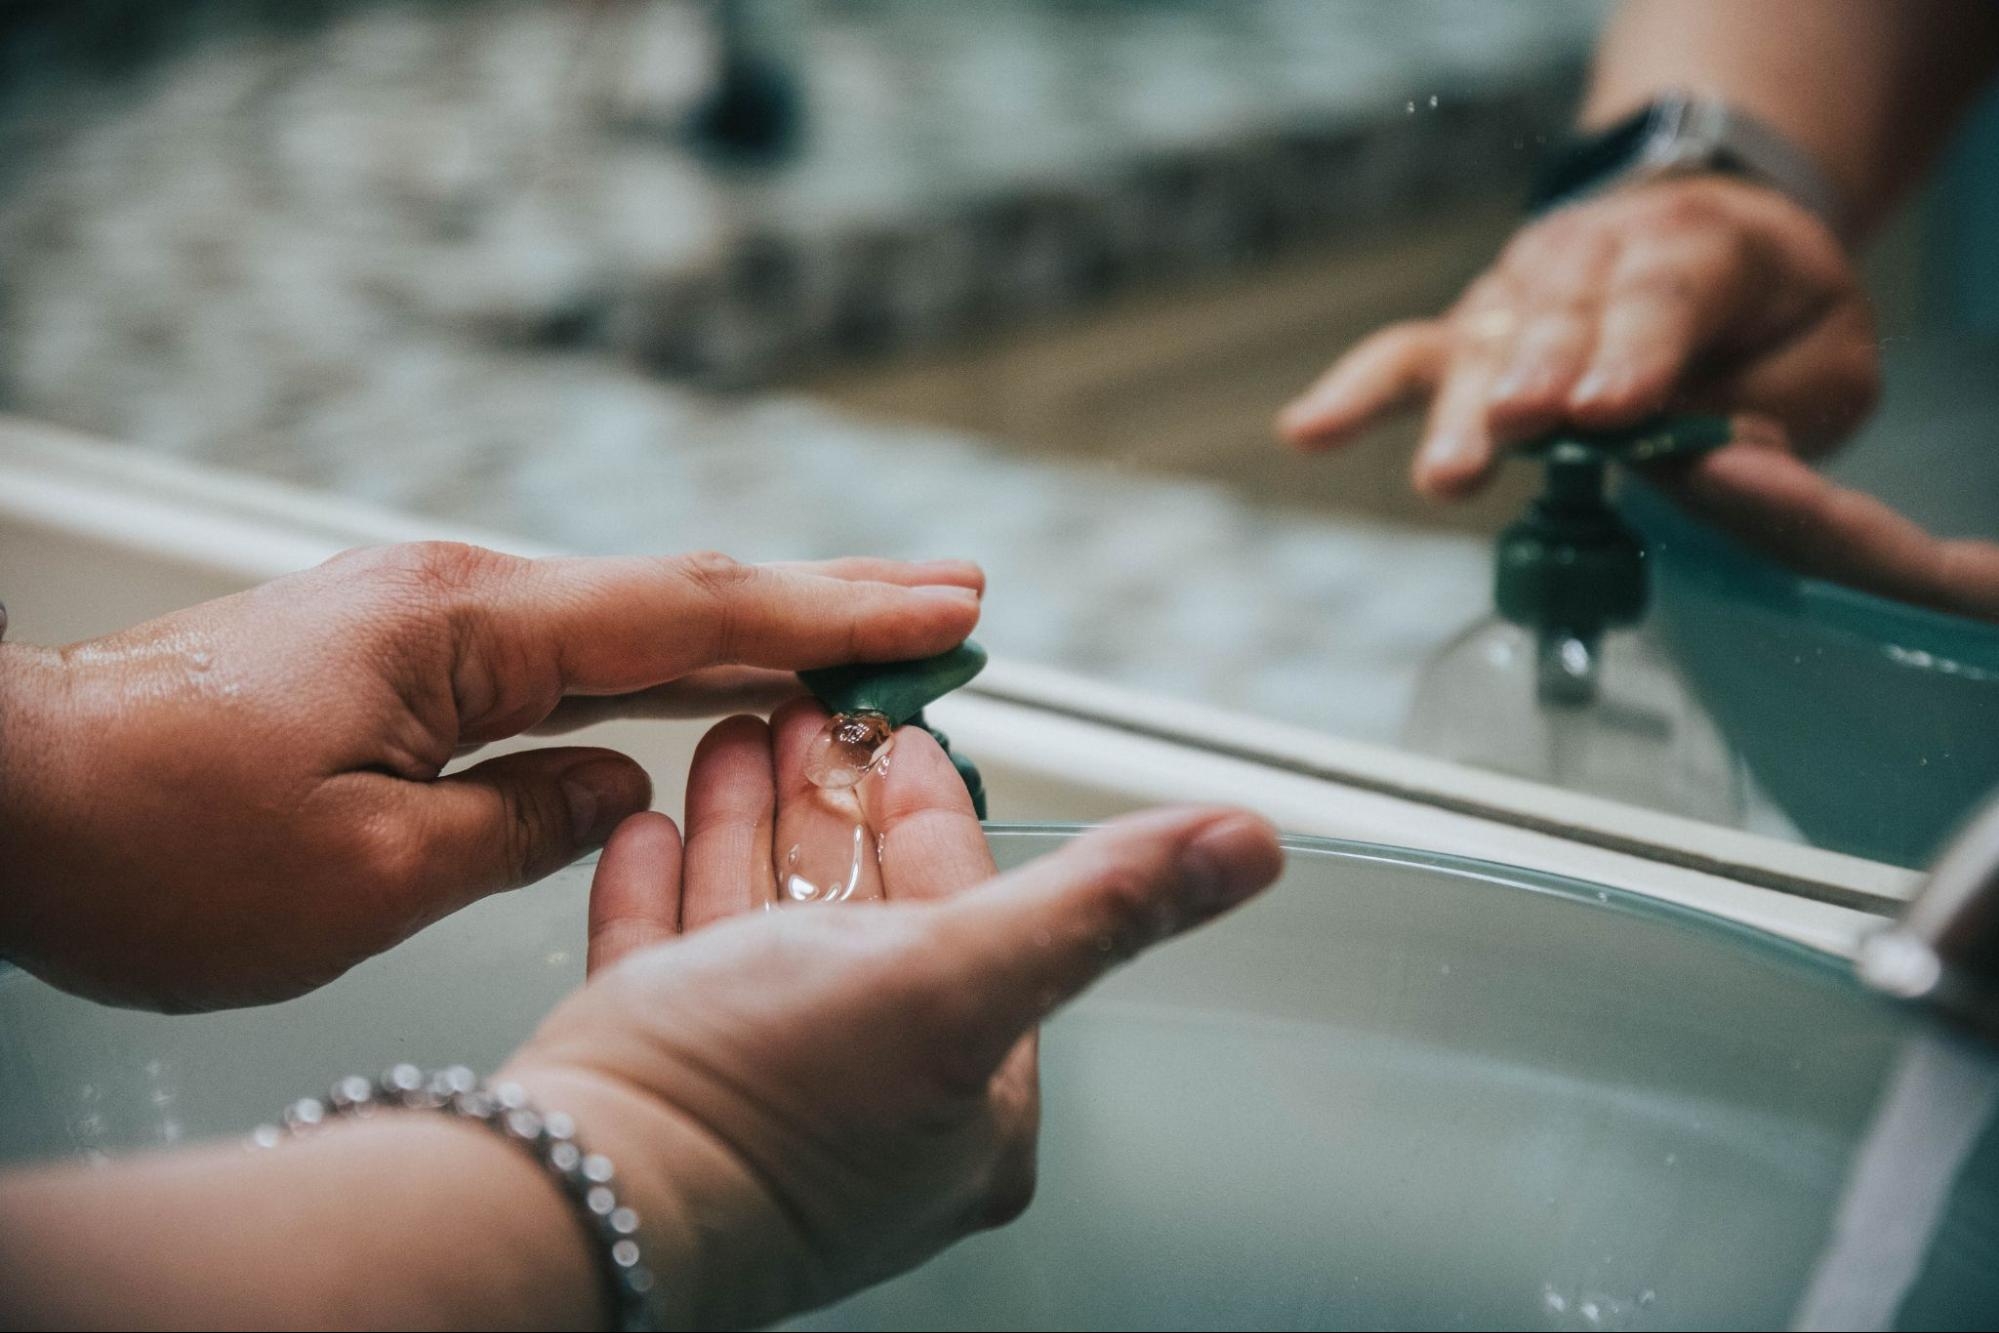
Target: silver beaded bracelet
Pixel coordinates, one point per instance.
(549, 1137)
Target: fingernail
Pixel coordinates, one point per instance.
(952, 564)
(599, 797)
(1511, 385)
(948, 591)
(1302, 412)
(1445, 450)
(1591, 387)
(1228, 861)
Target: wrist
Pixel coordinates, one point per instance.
(1737, 189)
(705, 1226)
(414, 1220)
(525, 1257)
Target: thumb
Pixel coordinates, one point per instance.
(1779, 505)
(517, 817)
(1036, 937)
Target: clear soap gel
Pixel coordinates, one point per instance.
(826, 849)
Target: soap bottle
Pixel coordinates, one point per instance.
(1563, 685)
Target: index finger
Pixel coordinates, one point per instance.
(530, 631)
(1383, 373)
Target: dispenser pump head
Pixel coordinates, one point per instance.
(1570, 568)
(1570, 565)
(897, 690)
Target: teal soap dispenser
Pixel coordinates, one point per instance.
(1561, 684)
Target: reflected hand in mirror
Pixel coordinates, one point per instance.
(1692, 294)
(237, 802)
(1767, 498)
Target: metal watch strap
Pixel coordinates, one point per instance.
(1682, 133)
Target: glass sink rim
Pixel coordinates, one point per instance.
(1580, 892)
(1826, 967)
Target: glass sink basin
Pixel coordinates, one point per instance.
(1772, 654)
(1402, 1090)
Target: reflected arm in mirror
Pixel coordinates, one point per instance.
(1869, 91)
(1705, 292)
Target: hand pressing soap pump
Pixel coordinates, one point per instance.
(1560, 685)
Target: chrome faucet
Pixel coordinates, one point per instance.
(1945, 949)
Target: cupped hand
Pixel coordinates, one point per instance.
(235, 803)
(1699, 293)
(807, 1099)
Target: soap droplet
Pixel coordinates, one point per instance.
(847, 749)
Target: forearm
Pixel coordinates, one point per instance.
(407, 1221)
(1869, 89)
(411, 1219)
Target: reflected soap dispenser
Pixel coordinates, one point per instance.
(1561, 685)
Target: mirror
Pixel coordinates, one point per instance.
(1023, 282)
